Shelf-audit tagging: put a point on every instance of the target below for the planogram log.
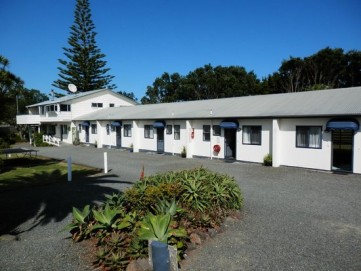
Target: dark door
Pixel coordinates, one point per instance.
(61, 132)
(118, 132)
(160, 140)
(87, 134)
(230, 143)
(342, 150)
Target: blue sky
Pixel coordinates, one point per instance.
(143, 39)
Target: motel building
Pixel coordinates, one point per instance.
(314, 129)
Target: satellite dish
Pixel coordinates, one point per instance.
(72, 88)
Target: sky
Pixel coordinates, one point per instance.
(142, 39)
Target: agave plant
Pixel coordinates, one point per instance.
(194, 195)
(114, 200)
(157, 227)
(80, 227)
(167, 207)
(105, 218)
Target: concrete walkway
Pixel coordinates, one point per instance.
(293, 219)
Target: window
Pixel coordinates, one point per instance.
(64, 129)
(108, 129)
(111, 105)
(308, 137)
(252, 135)
(79, 127)
(97, 104)
(65, 107)
(127, 130)
(94, 129)
(51, 108)
(176, 132)
(148, 131)
(168, 129)
(216, 130)
(206, 133)
(52, 129)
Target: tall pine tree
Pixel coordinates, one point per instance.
(85, 66)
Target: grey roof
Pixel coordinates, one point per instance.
(78, 95)
(331, 102)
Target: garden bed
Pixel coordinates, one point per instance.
(177, 208)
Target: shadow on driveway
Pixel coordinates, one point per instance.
(24, 209)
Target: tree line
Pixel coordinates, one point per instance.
(328, 68)
(14, 97)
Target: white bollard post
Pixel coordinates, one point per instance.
(69, 169)
(105, 162)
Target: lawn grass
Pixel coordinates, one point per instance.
(20, 172)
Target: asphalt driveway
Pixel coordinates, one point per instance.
(293, 219)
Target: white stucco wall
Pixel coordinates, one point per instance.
(149, 144)
(83, 106)
(128, 141)
(357, 151)
(170, 144)
(304, 157)
(255, 153)
(200, 147)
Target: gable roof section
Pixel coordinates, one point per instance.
(331, 102)
(80, 95)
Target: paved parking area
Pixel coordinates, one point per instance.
(293, 219)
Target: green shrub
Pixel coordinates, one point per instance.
(4, 144)
(38, 140)
(184, 152)
(165, 207)
(267, 160)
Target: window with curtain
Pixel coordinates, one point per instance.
(216, 130)
(309, 137)
(168, 129)
(127, 130)
(252, 135)
(176, 132)
(148, 131)
(206, 132)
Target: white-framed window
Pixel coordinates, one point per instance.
(252, 135)
(216, 130)
(51, 108)
(65, 107)
(176, 132)
(206, 133)
(168, 129)
(127, 130)
(111, 105)
(309, 137)
(94, 129)
(64, 129)
(97, 104)
(108, 129)
(148, 131)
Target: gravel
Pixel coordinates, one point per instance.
(293, 219)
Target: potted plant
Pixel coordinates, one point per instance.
(267, 160)
(184, 152)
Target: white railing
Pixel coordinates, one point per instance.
(27, 119)
(52, 140)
